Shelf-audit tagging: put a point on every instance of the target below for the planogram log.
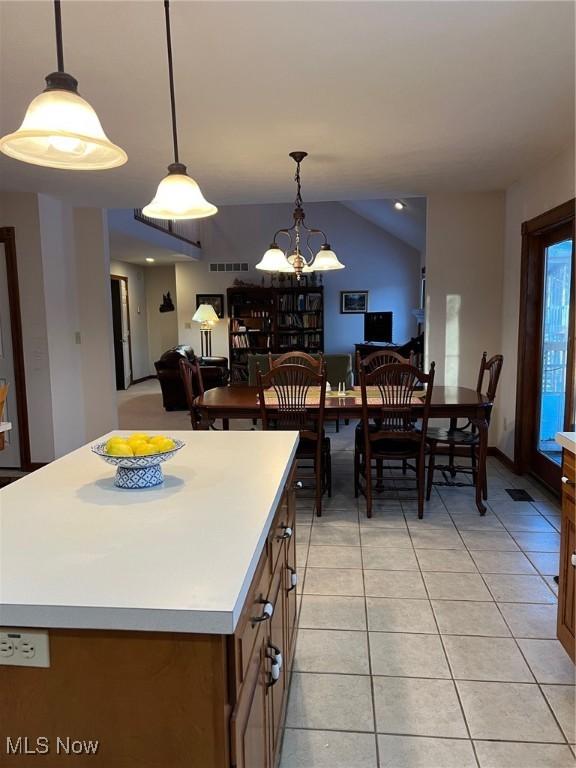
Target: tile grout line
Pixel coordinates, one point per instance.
(536, 681)
(455, 687)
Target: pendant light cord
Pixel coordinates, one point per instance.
(58, 23)
(171, 78)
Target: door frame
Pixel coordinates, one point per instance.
(125, 279)
(529, 329)
(8, 237)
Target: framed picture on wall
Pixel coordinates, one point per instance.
(215, 299)
(353, 302)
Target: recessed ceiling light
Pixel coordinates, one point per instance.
(149, 259)
(399, 205)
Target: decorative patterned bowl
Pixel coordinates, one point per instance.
(137, 471)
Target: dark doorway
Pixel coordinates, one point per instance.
(121, 331)
(545, 396)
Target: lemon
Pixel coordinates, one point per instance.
(166, 445)
(144, 449)
(115, 440)
(158, 439)
(139, 436)
(119, 449)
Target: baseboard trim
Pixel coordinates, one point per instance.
(144, 378)
(506, 460)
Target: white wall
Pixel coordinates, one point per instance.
(162, 326)
(62, 323)
(138, 315)
(542, 189)
(375, 261)
(20, 210)
(95, 311)
(63, 271)
(464, 269)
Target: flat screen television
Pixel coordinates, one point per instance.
(378, 326)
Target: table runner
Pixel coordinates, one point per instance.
(355, 394)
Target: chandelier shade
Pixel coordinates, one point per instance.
(178, 197)
(274, 260)
(277, 260)
(326, 260)
(61, 129)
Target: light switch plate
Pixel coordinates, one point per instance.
(24, 648)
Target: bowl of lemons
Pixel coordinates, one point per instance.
(138, 458)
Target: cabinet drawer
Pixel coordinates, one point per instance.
(248, 625)
(282, 529)
(568, 489)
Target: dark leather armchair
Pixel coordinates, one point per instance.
(214, 372)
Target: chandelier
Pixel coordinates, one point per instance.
(293, 260)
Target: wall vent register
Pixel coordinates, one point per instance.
(229, 266)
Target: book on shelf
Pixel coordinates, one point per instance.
(300, 302)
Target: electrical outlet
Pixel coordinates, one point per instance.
(24, 648)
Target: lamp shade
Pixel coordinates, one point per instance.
(205, 314)
(326, 260)
(179, 197)
(61, 130)
(274, 260)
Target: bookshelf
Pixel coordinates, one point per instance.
(276, 320)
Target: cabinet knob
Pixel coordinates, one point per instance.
(287, 532)
(293, 578)
(573, 559)
(267, 613)
(298, 484)
(567, 481)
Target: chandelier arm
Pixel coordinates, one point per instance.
(171, 79)
(284, 232)
(58, 25)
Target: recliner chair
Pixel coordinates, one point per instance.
(214, 371)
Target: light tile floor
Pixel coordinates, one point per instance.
(422, 643)
(429, 644)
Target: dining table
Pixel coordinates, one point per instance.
(239, 401)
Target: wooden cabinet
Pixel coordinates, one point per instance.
(566, 628)
(170, 699)
(258, 718)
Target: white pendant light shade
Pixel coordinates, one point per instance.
(61, 130)
(179, 197)
(274, 260)
(326, 260)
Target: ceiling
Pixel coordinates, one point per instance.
(389, 98)
(135, 251)
(408, 225)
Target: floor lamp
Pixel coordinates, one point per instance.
(206, 316)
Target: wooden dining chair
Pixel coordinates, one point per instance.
(292, 397)
(464, 440)
(380, 357)
(296, 358)
(388, 429)
(191, 376)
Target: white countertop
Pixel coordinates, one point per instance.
(567, 440)
(5, 426)
(75, 551)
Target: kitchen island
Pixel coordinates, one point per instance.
(170, 612)
(566, 625)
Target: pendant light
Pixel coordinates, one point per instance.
(277, 260)
(61, 129)
(178, 196)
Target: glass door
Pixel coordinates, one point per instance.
(555, 365)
